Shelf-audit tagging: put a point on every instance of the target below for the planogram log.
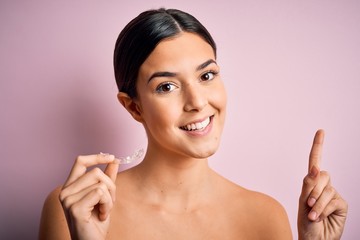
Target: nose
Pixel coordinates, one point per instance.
(195, 98)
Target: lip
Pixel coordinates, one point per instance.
(197, 121)
(203, 131)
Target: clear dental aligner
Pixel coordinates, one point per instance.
(128, 159)
(135, 156)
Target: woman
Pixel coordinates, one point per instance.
(168, 79)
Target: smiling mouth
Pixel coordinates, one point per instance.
(197, 126)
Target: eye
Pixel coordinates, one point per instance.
(165, 87)
(208, 76)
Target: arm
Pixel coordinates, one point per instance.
(53, 223)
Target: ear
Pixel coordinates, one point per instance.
(131, 105)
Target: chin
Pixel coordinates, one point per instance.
(205, 153)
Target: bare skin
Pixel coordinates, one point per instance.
(221, 210)
(322, 211)
(243, 214)
(172, 193)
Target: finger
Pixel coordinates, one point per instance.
(82, 210)
(321, 184)
(105, 206)
(316, 150)
(69, 200)
(83, 162)
(326, 196)
(336, 206)
(309, 183)
(112, 169)
(92, 177)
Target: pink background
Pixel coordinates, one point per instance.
(290, 67)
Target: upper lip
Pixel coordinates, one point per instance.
(197, 121)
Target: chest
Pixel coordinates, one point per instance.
(207, 223)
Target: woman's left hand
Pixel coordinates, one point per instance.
(322, 211)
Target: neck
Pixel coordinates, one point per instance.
(172, 179)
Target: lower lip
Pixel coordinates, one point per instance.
(203, 131)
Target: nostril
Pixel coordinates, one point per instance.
(194, 97)
(195, 103)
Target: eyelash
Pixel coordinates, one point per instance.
(173, 86)
(214, 73)
(159, 90)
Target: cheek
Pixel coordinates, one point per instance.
(159, 114)
(219, 96)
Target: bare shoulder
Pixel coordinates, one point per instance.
(53, 223)
(264, 215)
(270, 216)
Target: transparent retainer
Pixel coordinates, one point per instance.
(135, 156)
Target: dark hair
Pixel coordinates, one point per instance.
(140, 37)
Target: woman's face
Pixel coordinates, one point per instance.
(181, 97)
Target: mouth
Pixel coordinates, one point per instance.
(197, 126)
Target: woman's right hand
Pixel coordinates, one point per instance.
(87, 197)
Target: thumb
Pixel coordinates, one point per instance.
(112, 169)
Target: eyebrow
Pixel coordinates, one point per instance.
(205, 64)
(172, 74)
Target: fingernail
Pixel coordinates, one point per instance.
(116, 161)
(313, 172)
(311, 201)
(313, 215)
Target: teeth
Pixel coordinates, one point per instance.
(197, 126)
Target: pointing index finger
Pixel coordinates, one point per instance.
(316, 150)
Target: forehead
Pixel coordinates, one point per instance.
(185, 49)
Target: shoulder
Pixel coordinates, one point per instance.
(258, 211)
(53, 223)
(266, 207)
(267, 215)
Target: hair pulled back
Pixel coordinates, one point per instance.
(140, 37)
